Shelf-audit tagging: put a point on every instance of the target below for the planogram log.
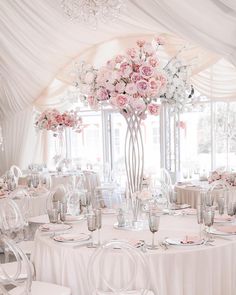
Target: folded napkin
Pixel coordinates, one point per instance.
(54, 227)
(190, 240)
(230, 229)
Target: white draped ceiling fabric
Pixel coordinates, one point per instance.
(39, 44)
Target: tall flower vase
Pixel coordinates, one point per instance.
(134, 160)
(59, 147)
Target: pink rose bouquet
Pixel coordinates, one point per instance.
(52, 119)
(131, 83)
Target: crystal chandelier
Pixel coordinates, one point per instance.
(92, 11)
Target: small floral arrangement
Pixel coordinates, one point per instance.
(130, 83)
(52, 119)
(229, 177)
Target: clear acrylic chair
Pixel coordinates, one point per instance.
(118, 268)
(13, 224)
(24, 285)
(219, 189)
(16, 171)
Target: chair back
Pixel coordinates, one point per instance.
(11, 218)
(21, 261)
(16, 171)
(117, 267)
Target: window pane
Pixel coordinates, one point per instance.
(195, 141)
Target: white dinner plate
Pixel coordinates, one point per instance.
(71, 238)
(52, 227)
(178, 242)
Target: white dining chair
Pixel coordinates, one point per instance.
(25, 286)
(118, 268)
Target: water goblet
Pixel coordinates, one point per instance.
(35, 181)
(98, 214)
(92, 226)
(154, 221)
(208, 217)
(200, 218)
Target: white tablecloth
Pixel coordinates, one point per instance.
(180, 270)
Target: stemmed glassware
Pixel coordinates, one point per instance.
(221, 204)
(200, 218)
(98, 214)
(208, 217)
(231, 204)
(154, 221)
(92, 226)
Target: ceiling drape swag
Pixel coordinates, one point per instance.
(38, 44)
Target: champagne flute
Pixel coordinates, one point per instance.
(98, 214)
(231, 204)
(208, 217)
(92, 226)
(200, 218)
(154, 221)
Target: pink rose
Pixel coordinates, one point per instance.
(120, 87)
(138, 105)
(120, 100)
(119, 58)
(153, 61)
(155, 84)
(142, 86)
(154, 109)
(135, 77)
(126, 69)
(131, 88)
(131, 52)
(102, 94)
(126, 112)
(146, 71)
(140, 43)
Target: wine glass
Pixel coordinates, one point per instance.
(221, 204)
(92, 226)
(154, 221)
(208, 217)
(200, 218)
(231, 205)
(98, 214)
(35, 180)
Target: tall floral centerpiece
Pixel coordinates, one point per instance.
(133, 83)
(56, 122)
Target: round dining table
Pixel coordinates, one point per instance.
(205, 269)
